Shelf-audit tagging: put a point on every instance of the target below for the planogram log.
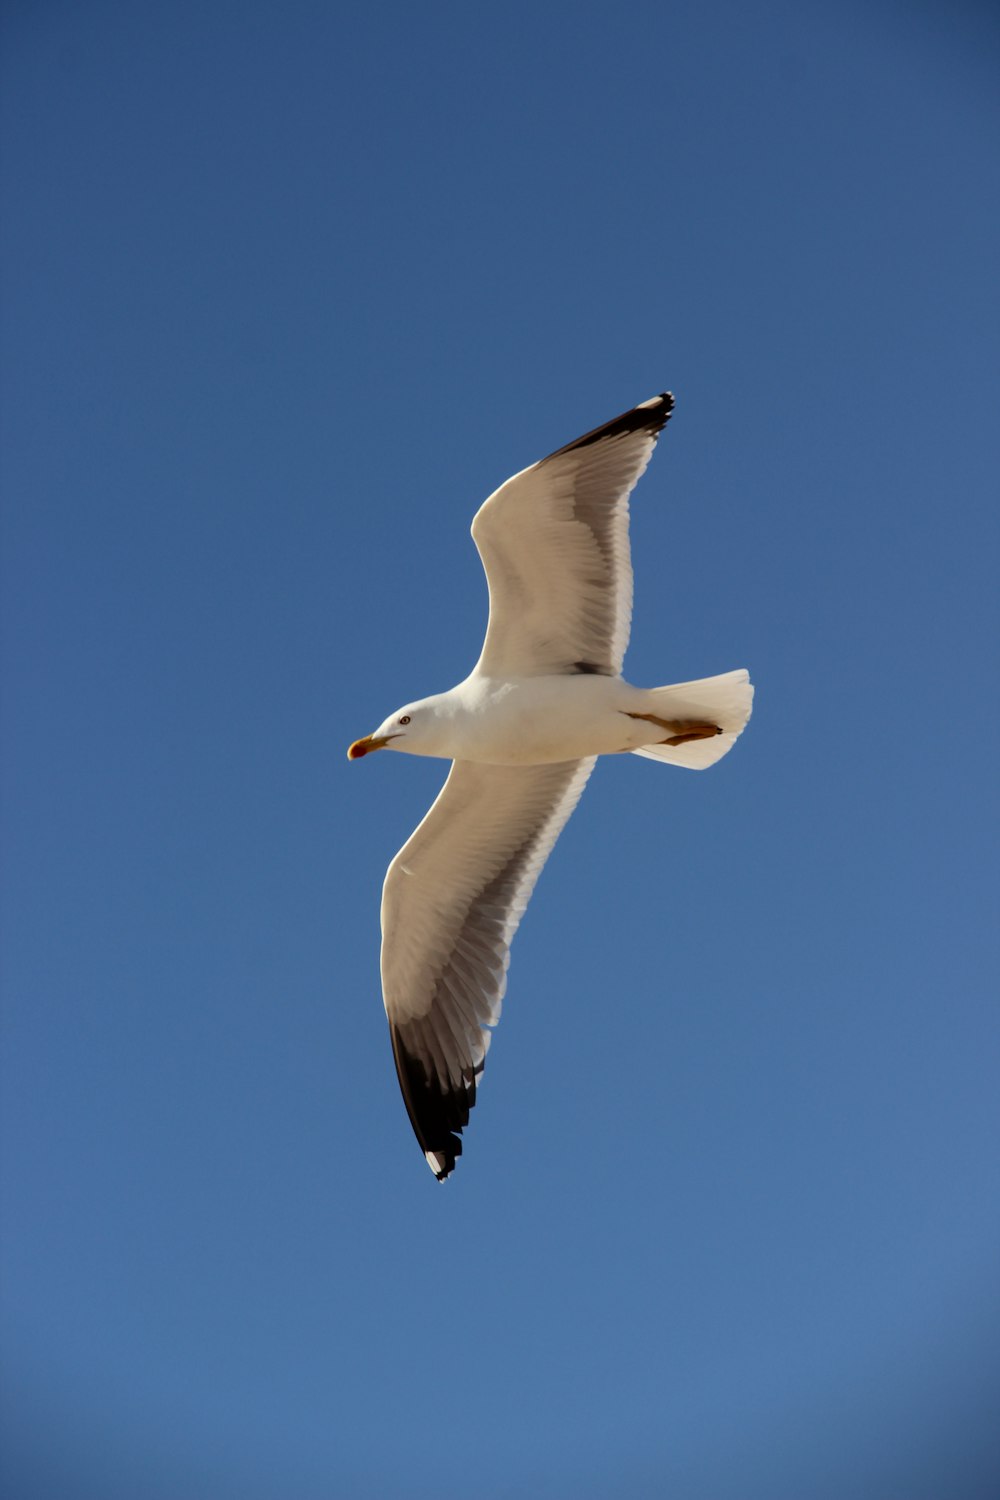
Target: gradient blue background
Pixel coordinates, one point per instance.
(288, 289)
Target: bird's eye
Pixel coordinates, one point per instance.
(405, 719)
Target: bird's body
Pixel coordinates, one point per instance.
(523, 731)
(530, 721)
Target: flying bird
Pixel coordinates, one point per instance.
(522, 731)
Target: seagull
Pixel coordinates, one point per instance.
(522, 732)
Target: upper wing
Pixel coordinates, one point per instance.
(451, 903)
(554, 543)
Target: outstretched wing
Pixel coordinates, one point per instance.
(452, 901)
(554, 543)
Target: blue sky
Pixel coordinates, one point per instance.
(287, 291)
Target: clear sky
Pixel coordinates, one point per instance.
(288, 290)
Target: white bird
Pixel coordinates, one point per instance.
(522, 731)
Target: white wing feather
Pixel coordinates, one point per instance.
(452, 901)
(555, 546)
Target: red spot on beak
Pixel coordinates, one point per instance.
(366, 745)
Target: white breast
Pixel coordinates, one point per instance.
(540, 720)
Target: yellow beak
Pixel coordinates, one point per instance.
(365, 746)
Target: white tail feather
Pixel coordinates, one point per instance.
(725, 700)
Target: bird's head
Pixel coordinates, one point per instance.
(407, 729)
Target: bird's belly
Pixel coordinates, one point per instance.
(548, 720)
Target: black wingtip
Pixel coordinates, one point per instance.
(437, 1116)
(649, 416)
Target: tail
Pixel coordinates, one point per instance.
(725, 700)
